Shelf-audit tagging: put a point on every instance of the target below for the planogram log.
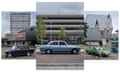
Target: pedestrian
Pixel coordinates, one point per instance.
(99, 52)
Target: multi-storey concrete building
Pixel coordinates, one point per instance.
(73, 24)
(19, 21)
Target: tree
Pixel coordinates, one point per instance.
(40, 28)
(8, 35)
(84, 28)
(62, 33)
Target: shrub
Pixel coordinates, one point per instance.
(105, 53)
(96, 53)
(93, 50)
(88, 50)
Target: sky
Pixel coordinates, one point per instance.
(6, 21)
(59, 8)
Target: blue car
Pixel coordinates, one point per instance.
(114, 46)
(22, 51)
(58, 47)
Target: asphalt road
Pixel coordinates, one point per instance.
(62, 67)
(59, 61)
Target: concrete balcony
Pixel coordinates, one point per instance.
(62, 20)
(66, 31)
(75, 26)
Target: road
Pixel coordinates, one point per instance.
(59, 61)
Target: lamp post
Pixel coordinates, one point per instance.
(102, 32)
(51, 31)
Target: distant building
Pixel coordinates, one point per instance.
(19, 21)
(26, 36)
(100, 26)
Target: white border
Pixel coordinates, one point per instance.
(30, 65)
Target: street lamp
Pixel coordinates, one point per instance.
(102, 32)
(51, 31)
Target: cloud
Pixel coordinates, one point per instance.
(59, 7)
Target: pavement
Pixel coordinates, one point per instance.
(59, 66)
(59, 61)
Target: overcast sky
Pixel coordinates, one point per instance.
(59, 7)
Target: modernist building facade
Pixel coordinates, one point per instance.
(19, 21)
(100, 27)
(71, 23)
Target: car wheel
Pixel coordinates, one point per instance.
(48, 51)
(9, 55)
(74, 51)
(28, 54)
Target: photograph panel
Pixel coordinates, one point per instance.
(60, 46)
(18, 36)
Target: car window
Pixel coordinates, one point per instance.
(54, 43)
(14, 47)
(62, 43)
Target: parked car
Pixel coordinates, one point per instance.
(95, 51)
(19, 51)
(114, 46)
(59, 46)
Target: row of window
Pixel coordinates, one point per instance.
(73, 18)
(19, 24)
(19, 17)
(71, 28)
(18, 28)
(14, 18)
(18, 20)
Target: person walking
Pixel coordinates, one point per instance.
(99, 52)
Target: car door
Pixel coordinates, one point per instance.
(16, 52)
(63, 47)
(21, 51)
(54, 46)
